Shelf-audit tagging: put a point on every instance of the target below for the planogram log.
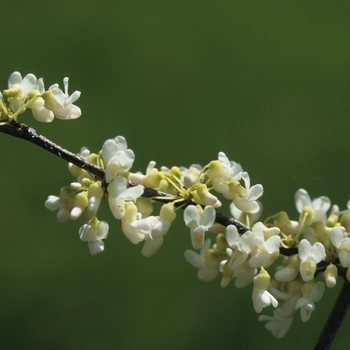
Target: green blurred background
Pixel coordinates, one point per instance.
(267, 82)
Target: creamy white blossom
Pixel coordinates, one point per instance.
(261, 296)
(199, 221)
(278, 324)
(60, 103)
(342, 243)
(117, 156)
(241, 246)
(311, 294)
(309, 257)
(118, 193)
(206, 270)
(247, 201)
(319, 205)
(94, 236)
(264, 251)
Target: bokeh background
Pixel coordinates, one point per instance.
(267, 82)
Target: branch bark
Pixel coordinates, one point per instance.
(335, 319)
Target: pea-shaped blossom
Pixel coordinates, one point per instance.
(223, 170)
(199, 221)
(94, 236)
(19, 89)
(144, 228)
(261, 297)
(264, 251)
(150, 229)
(241, 246)
(319, 205)
(61, 103)
(342, 243)
(117, 156)
(206, 269)
(118, 193)
(246, 201)
(278, 324)
(311, 293)
(245, 217)
(309, 257)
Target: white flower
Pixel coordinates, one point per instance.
(137, 229)
(95, 195)
(278, 324)
(264, 252)
(290, 272)
(247, 202)
(309, 257)
(342, 243)
(311, 294)
(261, 297)
(244, 275)
(19, 89)
(206, 270)
(117, 156)
(94, 236)
(319, 205)
(64, 203)
(242, 216)
(231, 169)
(128, 229)
(60, 103)
(223, 170)
(166, 217)
(199, 221)
(241, 246)
(118, 193)
(144, 228)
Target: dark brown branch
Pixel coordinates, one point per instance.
(335, 319)
(29, 134)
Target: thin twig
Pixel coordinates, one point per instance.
(29, 134)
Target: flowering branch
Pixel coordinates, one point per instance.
(315, 248)
(27, 133)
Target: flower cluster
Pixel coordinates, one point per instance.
(124, 190)
(309, 252)
(29, 92)
(312, 244)
(323, 245)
